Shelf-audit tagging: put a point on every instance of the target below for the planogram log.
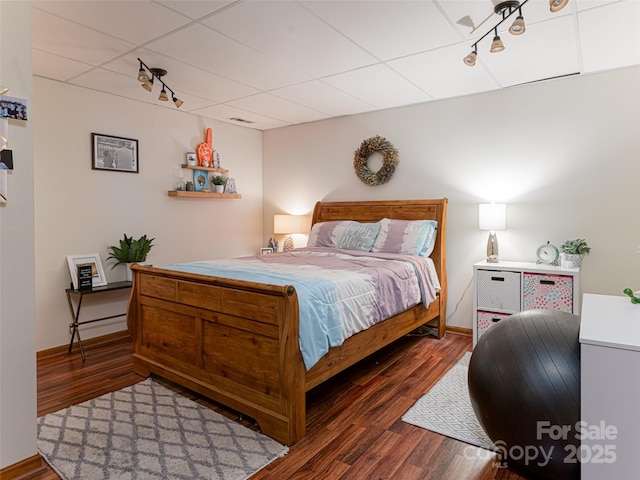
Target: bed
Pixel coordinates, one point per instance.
(237, 341)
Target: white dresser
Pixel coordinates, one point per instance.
(610, 388)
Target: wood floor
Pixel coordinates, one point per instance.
(354, 429)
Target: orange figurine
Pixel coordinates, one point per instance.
(205, 150)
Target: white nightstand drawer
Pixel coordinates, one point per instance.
(498, 290)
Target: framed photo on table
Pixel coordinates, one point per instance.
(114, 153)
(98, 278)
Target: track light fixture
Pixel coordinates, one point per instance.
(506, 9)
(146, 76)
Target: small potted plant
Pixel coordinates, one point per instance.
(218, 182)
(130, 251)
(573, 251)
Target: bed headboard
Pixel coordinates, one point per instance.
(372, 211)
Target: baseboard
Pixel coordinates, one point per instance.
(25, 469)
(91, 342)
(460, 330)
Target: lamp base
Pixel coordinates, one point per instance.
(492, 248)
(287, 244)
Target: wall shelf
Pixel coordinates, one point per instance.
(184, 193)
(208, 169)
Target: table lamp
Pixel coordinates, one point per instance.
(492, 217)
(288, 225)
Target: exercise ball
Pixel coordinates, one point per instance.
(524, 386)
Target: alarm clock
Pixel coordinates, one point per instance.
(548, 254)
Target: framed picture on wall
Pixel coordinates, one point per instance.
(114, 153)
(93, 260)
(201, 180)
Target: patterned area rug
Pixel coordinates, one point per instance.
(146, 431)
(446, 408)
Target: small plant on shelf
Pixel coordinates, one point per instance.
(573, 251)
(218, 180)
(575, 247)
(130, 250)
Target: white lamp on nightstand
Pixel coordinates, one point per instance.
(288, 225)
(492, 217)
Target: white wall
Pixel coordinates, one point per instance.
(80, 210)
(17, 298)
(563, 154)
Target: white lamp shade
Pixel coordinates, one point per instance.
(288, 224)
(492, 216)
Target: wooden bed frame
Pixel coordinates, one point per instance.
(236, 342)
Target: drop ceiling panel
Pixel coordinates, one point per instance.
(204, 48)
(70, 40)
(610, 36)
(589, 4)
(379, 86)
(442, 74)
(226, 112)
(53, 66)
(389, 29)
(118, 19)
(323, 98)
(286, 31)
(195, 8)
(279, 108)
(547, 49)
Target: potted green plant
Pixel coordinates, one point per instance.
(130, 251)
(218, 182)
(573, 251)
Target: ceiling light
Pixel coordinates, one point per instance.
(471, 59)
(557, 5)
(148, 85)
(506, 9)
(518, 27)
(142, 74)
(147, 75)
(496, 45)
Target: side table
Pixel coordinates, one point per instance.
(75, 313)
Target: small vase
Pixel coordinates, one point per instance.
(218, 188)
(129, 273)
(571, 260)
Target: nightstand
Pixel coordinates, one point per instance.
(74, 326)
(504, 288)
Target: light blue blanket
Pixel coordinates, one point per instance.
(339, 292)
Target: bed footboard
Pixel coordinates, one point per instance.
(235, 342)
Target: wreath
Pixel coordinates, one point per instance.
(389, 160)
